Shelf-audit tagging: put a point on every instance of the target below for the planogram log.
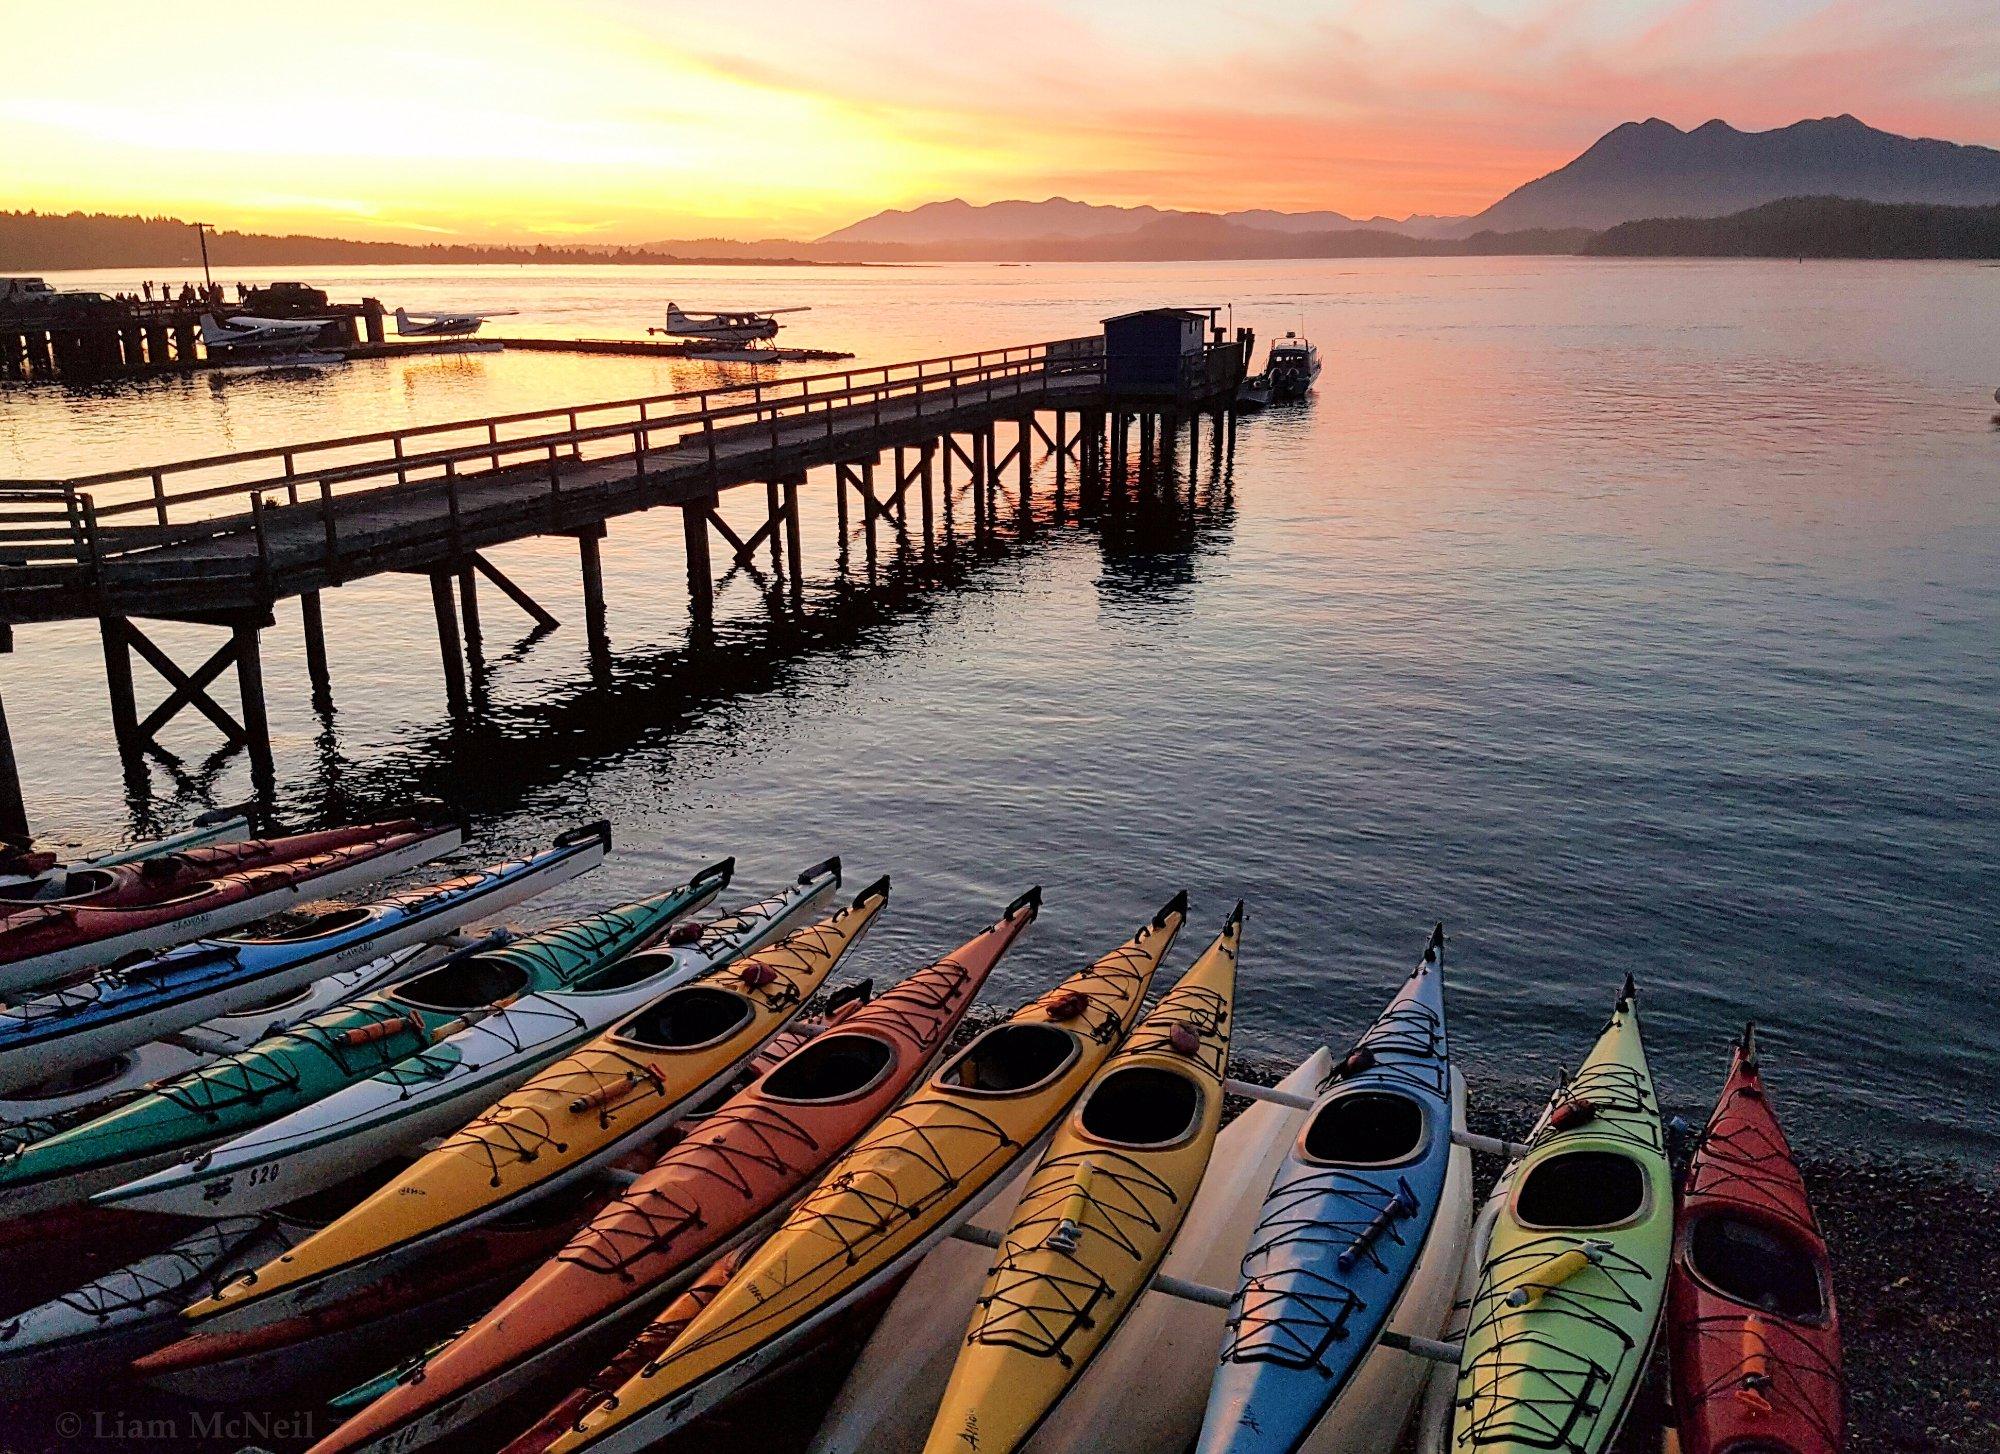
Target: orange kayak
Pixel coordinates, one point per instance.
(731, 1177)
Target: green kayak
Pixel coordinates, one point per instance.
(331, 1051)
(1570, 1296)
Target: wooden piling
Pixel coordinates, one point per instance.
(118, 677)
(924, 462)
(449, 648)
(315, 634)
(13, 810)
(593, 587)
(468, 610)
(701, 584)
(250, 686)
(794, 549)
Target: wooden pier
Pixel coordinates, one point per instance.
(91, 341)
(221, 540)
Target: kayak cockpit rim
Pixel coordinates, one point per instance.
(1759, 1264)
(626, 971)
(333, 921)
(471, 983)
(693, 1017)
(1142, 1108)
(63, 890)
(840, 1065)
(1582, 1189)
(1012, 1058)
(1366, 1127)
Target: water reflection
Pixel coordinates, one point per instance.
(1151, 536)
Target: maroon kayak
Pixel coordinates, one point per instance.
(78, 922)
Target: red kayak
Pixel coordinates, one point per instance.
(635, 1356)
(1754, 1333)
(734, 1173)
(85, 919)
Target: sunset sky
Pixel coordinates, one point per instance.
(629, 120)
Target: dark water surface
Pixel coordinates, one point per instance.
(1626, 616)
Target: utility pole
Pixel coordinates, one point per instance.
(201, 231)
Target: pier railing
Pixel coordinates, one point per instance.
(88, 519)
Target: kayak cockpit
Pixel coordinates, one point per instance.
(1757, 1265)
(463, 984)
(1365, 1128)
(1581, 1190)
(686, 1019)
(630, 970)
(833, 1067)
(1141, 1106)
(1010, 1059)
(319, 926)
(64, 888)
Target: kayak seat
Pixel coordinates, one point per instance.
(1141, 1105)
(1009, 1059)
(686, 1018)
(1367, 1128)
(837, 1064)
(331, 922)
(1581, 1189)
(1757, 1266)
(463, 984)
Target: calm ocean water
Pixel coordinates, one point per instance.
(1626, 616)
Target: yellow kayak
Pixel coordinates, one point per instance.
(632, 1082)
(923, 1169)
(1098, 1215)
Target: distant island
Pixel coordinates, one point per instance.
(1815, 227)
(1833, 187)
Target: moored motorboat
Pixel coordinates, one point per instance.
(83, 920)
(1292, 367)
(1570, 1296)
(124, 1007)
(1363, 1230)
(141, 1142)
(395, 1112)
(722, 1184)
(633, 1081)
(1753, 1331)
(1097, 1215)
(902, 1189)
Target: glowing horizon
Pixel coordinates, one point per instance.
(628, 121)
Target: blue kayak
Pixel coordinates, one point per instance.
(1368, 1189)
(169, 992)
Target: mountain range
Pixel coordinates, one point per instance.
(1687, 186)
(1640, 170)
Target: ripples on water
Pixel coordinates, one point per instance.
(1626, 616)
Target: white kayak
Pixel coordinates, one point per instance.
(104, 1084)
(91, 1333)
(439, 1090)
(1144, 1392)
